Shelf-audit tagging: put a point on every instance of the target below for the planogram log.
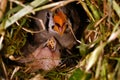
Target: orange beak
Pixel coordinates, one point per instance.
(60, 22)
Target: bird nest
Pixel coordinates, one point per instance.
(59, 39)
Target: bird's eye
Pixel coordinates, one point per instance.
(52, 26)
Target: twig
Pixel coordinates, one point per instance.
(70, 27)
(28, 9)
(55, 4)
(3, 4)
(5, 71)
(63, 3)
(14, 71)
(1, 39)
(30, 31)
(97, 23)
(18, 2)
(40, 20)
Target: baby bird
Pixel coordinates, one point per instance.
(58, 23)
(45, 57)
(43, 51)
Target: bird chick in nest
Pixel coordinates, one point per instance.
(45, 57)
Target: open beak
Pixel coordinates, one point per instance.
(60, 22)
